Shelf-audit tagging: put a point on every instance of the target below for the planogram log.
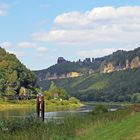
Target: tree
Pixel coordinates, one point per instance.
(136, 98)
(56, 92)
(63, 93)
(14, 75)
(47, 95)
(10, 91)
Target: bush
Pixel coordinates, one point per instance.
(135, 107)
(74, 100)
(65, 102)
(99, 109)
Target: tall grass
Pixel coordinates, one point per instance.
(66, 129)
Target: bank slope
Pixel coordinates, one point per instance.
(127, 129)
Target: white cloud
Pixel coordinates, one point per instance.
(6, 45)
(42, 49)
(98, 52)
(99, 16)
(26, 45)
(99, 25)
(4, 9)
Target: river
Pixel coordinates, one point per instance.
(27, 112)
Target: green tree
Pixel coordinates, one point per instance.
(14, 75)
(47, 95)
(136, 98)
(10, 91)
(63, 93)
(55, 91)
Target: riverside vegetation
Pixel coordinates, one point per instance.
(19, 87)
(97, 125)
(56, 99)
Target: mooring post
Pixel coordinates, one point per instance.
(40, 106)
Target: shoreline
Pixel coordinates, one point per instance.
(5, 105)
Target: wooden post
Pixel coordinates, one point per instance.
(40, 107)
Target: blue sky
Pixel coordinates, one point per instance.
(40, 31)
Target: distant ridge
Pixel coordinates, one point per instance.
(119, 60)
(115, 77)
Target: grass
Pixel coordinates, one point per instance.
(118, 130)
(61, 107)
(6, 105)
(50, 105)
(119, 125)
(94, 103)
(123, 124)
(57, 105)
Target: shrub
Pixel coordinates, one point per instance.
(74, 100)
(65, 102)
(99, 109)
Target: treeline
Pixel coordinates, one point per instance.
(117, 86)
(14, 76)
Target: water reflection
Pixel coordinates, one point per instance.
(26, 112)
(16, 112)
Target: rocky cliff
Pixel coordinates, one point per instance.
(119, 60)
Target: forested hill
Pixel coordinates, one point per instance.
(115, 77)
(119, 60)
(14, 76)
(116, 86)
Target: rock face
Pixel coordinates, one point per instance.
(109, 68)
(61, 60)
(135, 63)
(67, 75)
(73, 74)
(119, 60)
(87, 61)
(127, 64)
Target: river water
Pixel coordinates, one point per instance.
(27, 112)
